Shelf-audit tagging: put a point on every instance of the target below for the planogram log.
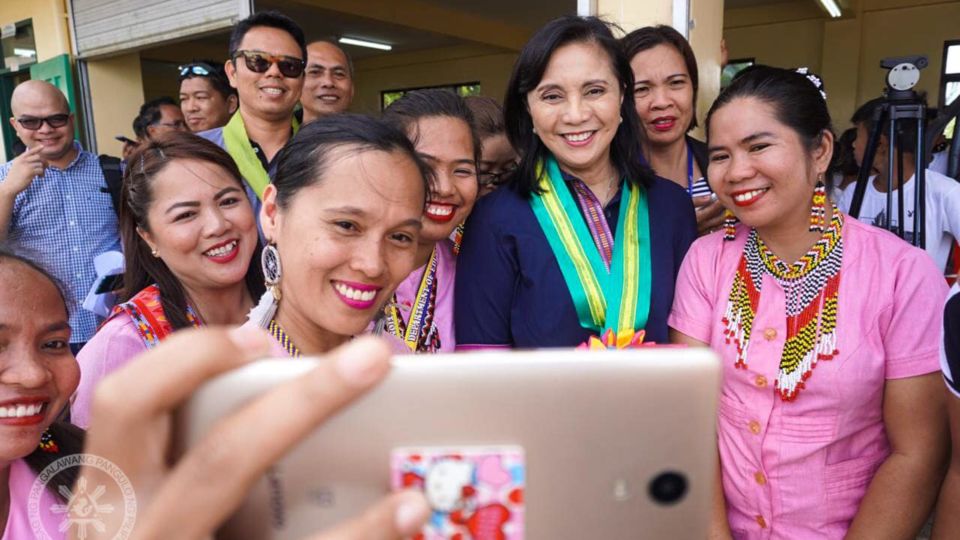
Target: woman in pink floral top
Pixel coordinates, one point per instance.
(830, 420)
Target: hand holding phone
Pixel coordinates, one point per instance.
(131, 422)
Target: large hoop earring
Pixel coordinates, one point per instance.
(272, 269)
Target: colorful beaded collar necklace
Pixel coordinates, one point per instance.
(811, 287)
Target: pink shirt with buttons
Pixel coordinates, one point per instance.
(800, 469)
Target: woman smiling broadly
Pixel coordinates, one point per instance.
(342, 219)
(665, 90)
(581, 214)
(440, 125)
(189, 236)
(37, 376)
(831, 421)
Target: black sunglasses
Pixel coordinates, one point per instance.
(259, 62)
(34, 123)
(201, 69)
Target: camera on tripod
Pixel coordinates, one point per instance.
(901, 106)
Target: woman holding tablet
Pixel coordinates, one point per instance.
(440, 126)
(665, 87)
(342, 220)
(831, 421)
(583, 239)
(190, 246)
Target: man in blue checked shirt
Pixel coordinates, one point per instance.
(54, 204)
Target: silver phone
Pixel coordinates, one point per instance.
(609, 444)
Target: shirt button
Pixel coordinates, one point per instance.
(68, 197)
(72, 223)
(770, 334)
(76, 248)
(754, 427)
(761, 522)
(760, 381)
(760, 478)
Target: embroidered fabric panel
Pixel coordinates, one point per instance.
(419, 333)
(148, 316)
(596, 221)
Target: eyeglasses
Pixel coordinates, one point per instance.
(34, 123)
(201, 69)
(258, 62)
(494, 179)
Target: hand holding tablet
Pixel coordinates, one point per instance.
(191, 496)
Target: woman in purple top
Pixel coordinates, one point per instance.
(190, 243)
(831, 421)
(37, 376)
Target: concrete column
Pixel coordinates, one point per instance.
(704, 33)
(116, 91)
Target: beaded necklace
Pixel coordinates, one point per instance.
(278, 334)
(811, 287)
(419, 332)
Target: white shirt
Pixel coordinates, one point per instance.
(943, 211)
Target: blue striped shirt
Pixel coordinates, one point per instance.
(63, 220)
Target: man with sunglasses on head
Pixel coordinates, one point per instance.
(206, 97)
(267, 52)
(54, 202)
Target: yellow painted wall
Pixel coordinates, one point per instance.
(847, 51)
(49, 24)
(432, 67)
(784, 44)
(116, 89)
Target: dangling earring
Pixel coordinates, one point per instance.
(270, 262)
(729, 226)
(266, 308)
(47, 444)
(818, 211)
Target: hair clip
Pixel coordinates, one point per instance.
(814, 79)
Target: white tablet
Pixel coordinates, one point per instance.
(507, 445)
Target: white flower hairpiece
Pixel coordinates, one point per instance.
(816, 81)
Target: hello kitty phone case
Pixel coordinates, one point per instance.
(476, 492)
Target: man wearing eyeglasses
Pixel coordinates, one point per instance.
(53, 198)
(158, 116)
(267, 52)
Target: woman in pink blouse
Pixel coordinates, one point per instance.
(190, 248)
(37, 375)
(830, 423)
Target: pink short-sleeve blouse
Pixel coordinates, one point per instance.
(798, 469)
